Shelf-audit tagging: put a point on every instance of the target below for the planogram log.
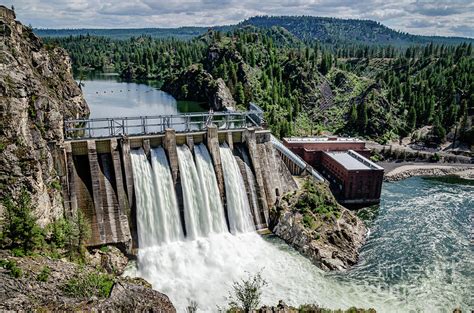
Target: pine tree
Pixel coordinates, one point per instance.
(411, 119)
(353, 116)
(431, 110)
(363, 117)
(239, 93)
(438, 131)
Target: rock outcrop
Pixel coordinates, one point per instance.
(109, 258)
(282, 307)
(312, 221)
(407, 171)
(33, 290)
(37, 91)
(196, 84)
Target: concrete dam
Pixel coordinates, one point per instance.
(141, 190)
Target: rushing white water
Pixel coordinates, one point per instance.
(165, 196)
(149, 231)
(210, 188)
(157, 215)
(197, 214)
(203, 270)
(238, 209)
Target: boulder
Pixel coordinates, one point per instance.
(109, 258)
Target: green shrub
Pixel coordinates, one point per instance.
(56, 185)
(59, 230)
(21, 233)
(308, 221)
(435, 157)
(88, 285)
(44, 274)
(105, 249)
(314, 199)
(247, 292)
(11, 266)
(76, 237)
(18, 252)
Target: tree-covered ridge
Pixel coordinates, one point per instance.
(326, 30)
(336, 31)
(380, 92)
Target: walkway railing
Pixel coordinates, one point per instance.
(295, 158)
(146, 125)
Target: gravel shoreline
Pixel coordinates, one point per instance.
(397, 171)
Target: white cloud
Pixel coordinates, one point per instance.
(426, 17)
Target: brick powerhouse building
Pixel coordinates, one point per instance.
(344, 162)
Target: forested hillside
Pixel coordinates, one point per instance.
(377, 91)
(326, 30)
(346, 31)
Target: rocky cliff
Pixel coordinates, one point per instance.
(311, 220)
(196, 84)
(37, 92)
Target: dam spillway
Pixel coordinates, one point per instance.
(151, 190)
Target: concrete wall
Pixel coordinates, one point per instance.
(96, 187)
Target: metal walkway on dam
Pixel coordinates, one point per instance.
(77, 129)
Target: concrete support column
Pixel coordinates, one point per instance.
(169, 144)
(251, 141)
(230, 140)
(212, 142)
(146, 148)
(70, 188)
(190, 142)
(130, 209)
(122, 201)
(99, 210)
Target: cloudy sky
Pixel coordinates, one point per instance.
(425, 17)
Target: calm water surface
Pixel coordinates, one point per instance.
(109, 96)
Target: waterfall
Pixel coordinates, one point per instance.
(197, 216)
(240, 218)
(157, 210)
(210, 188)
(166, 196)
(149, 230)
